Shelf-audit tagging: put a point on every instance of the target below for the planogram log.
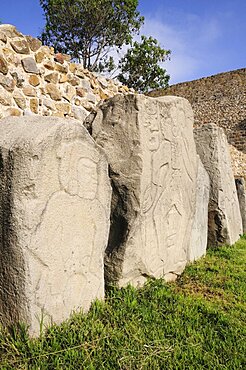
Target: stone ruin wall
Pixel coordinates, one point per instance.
(152, 145)
(36, 81)
(219, 99)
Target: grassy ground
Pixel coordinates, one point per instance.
(196, 323)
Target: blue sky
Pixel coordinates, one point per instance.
(205, 36)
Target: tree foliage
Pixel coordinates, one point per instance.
(140, 67)
(87, 29)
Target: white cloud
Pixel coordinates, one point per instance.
(189, 42)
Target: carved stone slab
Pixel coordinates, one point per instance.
(241, 193)
(54, 218)
(224, 219)
(153, 168)
(199, 232)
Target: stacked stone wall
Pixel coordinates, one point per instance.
(36, 81)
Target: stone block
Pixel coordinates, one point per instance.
(241, 193)
(54, 217)
(34, 105)
(29, 90)
(33, 43)
(224, 219)
(199, 232)
(20, 45)
(79, 113)
(52, 77)
(15, 112)
(34, 80)
(8, 83)
(3, 66)
(29, 65)
(5, 97)
(3, 37)
(69, 93)
(153, 168)
(20, 99)
(53, 91)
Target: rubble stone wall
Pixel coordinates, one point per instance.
(36, 81)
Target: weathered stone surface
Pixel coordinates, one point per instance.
(3, 66)
(91, 98)
(20, 45)
(69, 93)
(34, 80)
(54, 219)
(49, 65)
(33, 43)
(63, 78)
(73, 80)
(8, 83)
(64, 108)
(20, 99)
(53, 91)
(19, 78)
(9, 30)
(29, 90)
(199, 232)
(3, 37)
(80, 92)
(86, 85)
(14, 112)
(34, 105)
(224, 219)
(153, 167)
(30, 65)
(52, 77)
(11, 57)
(5, 97)
(241, 193)
(59, 58)
(49, 104)
(61, 68)
(79, 113)
(39, 56)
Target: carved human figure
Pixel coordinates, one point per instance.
(69, 214)
(171, 207)
(151, 142)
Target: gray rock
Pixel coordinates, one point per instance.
(79, 113)
(199, 232)
(29, 65)
(86, 85)
(241, 193)
(153, 168)
(54, 217)
(224, 219)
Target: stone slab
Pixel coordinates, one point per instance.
(224, 219)
(199, 232)
(153, 168)
(54, 218)
(241, 193)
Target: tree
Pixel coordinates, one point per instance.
(140, 67)
(88, 29)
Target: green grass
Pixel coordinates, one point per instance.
(195, 323)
